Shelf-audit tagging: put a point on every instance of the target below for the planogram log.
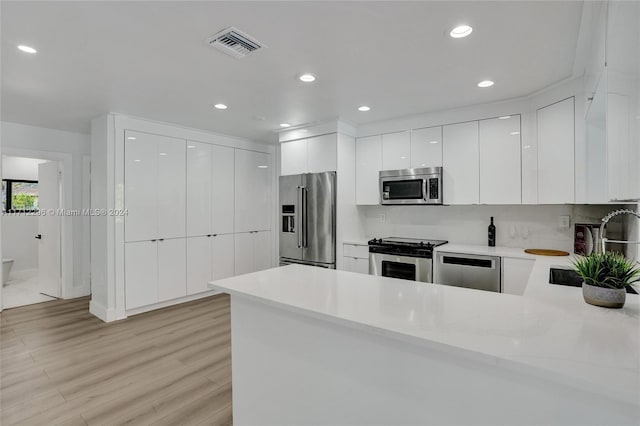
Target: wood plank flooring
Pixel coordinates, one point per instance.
(62, 366)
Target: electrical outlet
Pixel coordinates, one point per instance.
(382, 217)
(565, 221)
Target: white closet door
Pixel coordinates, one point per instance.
(426, 147)
(222, 256)
(171, 181)
(141, 186)
(222, 189)
(460, 163)
(141, 273)
(172, 269)
(262, 251)
(199, 188)
(199, 259)
(500, 166)
(243, 253)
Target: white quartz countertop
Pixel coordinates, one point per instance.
(549, 331)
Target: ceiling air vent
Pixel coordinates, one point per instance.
(234, 42)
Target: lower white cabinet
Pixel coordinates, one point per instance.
(209, 258)
(252, 251)
(355, 264)
(355, 258)
(155, 271)
(515, 275)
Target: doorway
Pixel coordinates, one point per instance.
(31, 230)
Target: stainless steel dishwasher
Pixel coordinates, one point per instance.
(469, 271)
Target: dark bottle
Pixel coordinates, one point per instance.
(492, 234)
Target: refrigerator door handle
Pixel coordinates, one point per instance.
(300, 221)
(304, 216)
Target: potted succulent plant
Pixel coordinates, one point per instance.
(605, 277)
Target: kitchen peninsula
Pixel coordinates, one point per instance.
(318, 346)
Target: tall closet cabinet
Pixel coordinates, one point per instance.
(188, 207)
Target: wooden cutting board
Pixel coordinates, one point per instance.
(547, 252)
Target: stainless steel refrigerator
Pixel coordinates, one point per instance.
(308, 219)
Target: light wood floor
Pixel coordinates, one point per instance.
(62, 366)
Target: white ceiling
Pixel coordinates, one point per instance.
(149, 59)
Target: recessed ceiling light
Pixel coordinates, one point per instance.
(514, 133)
(220, 106)
(504, 117)
(485, 83)
(461, 31)
(27, 49)
(131, 138)
(433, 142)
(285, 125)
(307, 78)
(364, 108)
(263, 167)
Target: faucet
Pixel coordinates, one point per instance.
(606, 220)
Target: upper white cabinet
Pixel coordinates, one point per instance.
(311, 155)
(396, 151)
(253, 200)
(223, 191)
(368, 166)
(426, 147)
(210, 191)
(155, 187)
(500, 152)
(556, 181)
(623, 100)
(460, 163)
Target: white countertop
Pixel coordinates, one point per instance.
(549, 331)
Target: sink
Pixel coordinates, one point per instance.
(569, 277)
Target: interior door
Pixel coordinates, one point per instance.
(319, 222)
(289, 220)
(49, 270)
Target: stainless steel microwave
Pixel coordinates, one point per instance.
(411, 186)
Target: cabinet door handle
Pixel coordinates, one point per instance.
(153, 241)
(161, 239)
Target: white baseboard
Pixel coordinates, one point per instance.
(106, 315)
(172, 302)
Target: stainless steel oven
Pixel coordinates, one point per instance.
(404, 258)
(411, 186)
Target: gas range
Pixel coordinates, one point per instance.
(413, 247)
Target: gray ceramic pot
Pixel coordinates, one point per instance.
(605, 297)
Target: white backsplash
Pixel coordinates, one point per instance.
(533, 226)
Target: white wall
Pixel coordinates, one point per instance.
(20, 167)
(516, 226)
(30, 141)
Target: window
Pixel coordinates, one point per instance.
(19, 195)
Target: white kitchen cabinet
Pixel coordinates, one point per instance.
(460, 163)
(426, 147)
(222, 256)
(515, 275)
(199, 261)
(172, 269)
(140, 195)
(155, 271)
(500, 165)
(155, 187)
(199, 188)
(355, 264)
(311, 155)
(556, 145)
(253, 200)
(293, 156)
(368, 166)
(252, 252)
(171, 187)
(223, 193)
(141, 273)
(396, 151)
(322, 153)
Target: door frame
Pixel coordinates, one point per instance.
(65, 162)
